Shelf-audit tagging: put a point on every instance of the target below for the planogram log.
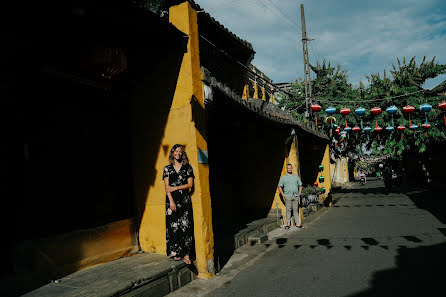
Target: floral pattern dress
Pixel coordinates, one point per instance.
(179, 224)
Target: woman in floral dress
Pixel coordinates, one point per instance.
(178, 179)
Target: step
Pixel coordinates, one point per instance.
(257, 238)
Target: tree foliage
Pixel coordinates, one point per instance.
(402, 87)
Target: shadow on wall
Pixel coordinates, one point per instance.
(246, 154)
(311, 153)
(419, 272)
(83, 157)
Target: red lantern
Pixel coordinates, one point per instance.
(338, 130)
(315, 184)
(401, 129)
(375, 111)
(315, 108)
(345, 112)
(442, 107)
(356, 129)
(426, 127)
(408, 109)
(378, 130)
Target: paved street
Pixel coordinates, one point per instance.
(368, 244)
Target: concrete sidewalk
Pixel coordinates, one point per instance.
(157, 275)
(137, 275)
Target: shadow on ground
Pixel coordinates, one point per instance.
(432, 201)
(419, 272)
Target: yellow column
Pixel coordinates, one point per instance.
(263, 94)
(326, 172)
(246, 92)
(256, 91)
(181, 128)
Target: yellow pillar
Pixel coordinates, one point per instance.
(256, 91)
(325, 173)
(245, 92)
(181, 128)
(263, 94)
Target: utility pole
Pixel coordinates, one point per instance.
(307, 78)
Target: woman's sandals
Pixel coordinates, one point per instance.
(187, 260)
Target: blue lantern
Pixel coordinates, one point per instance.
(426, 108)
(414, 128)
(391, 111)
(347, 129)
(330, 110)
(389, 129)
(360, 111)
(367, 129)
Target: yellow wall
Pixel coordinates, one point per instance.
(181, 127)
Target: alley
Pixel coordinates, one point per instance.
(369, 243)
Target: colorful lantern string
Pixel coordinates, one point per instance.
(360, 111)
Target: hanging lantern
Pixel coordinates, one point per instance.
(392, 111)
(356, 130)
(338, 130)
(409, 109)
(414, 129)
(330, 120)
(315, 108)
(323, 190)
(316, 184)
(342, 136)
(345, 112)
(426, 126)
(442, 107)
(360, 111)
(321, 179)
(321, 167)
(330, 110)
(425, 108)
(389, 129)
(378, 130)
(375, 111)
(401, 129)
(347, 130)
(367, 130)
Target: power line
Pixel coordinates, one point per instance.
(283, 14)
(245, 67)
(369, 100)
(290, 24)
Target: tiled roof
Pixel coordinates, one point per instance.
(242, 41)
(265, 109)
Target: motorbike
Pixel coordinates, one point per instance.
(362, 180)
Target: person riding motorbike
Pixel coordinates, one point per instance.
(362, 177)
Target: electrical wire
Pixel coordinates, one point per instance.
(245, 67)
(290, 24)
(368, 100)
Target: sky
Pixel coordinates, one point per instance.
(363, 37)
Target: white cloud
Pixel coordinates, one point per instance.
(363, 37)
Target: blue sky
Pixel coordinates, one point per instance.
(363, 37)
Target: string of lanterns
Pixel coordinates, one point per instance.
(391, 111)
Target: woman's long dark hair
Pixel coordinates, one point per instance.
(184, 158)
